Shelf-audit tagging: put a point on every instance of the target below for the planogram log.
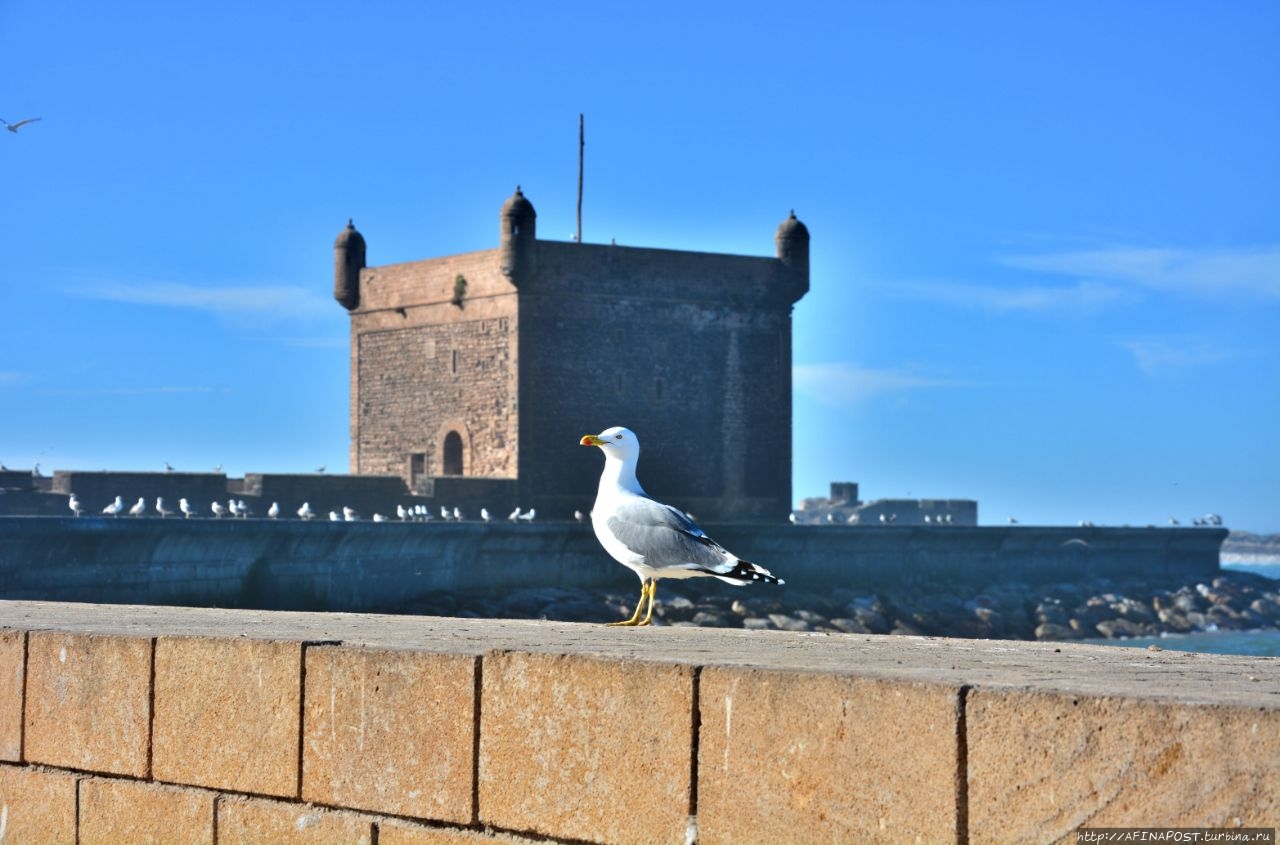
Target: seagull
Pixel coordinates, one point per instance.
(579, 516)
(14, 127)
(444, 513)
(245, 510)
(484, 514)
(457, 515)
(274, 510)
(115, 507)
(402, 513)
(650, 538)
(528, 515)
(217, 468)
(304, 512)
(161, 509)
(233, 507)
(320, 469)
(168, 467)
(74, 504)
(514, 515)
(377, 517)
(333, 517)
(187, 511)
(349, 515)
(218, 509)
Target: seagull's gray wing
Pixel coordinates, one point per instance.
(665, 536)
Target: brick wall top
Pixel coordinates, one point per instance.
(225, 726)
(1044, 667)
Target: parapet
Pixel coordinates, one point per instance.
(170, 724)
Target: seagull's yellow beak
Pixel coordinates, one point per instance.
(591, 440)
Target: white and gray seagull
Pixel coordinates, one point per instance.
(16, 125)
(650, 538)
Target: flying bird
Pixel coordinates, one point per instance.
(653, 539)
(115, 507)
(14, 127)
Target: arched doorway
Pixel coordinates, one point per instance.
(453, 453)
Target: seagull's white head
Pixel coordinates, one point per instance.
(617, 442)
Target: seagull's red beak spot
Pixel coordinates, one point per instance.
(590, 440)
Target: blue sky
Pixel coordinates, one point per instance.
(1046, 236)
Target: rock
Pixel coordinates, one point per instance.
(1051, 612)
(756, 623)
(849, 626)
(904, 628)
(1114, 628)
(795, 625)
(708, 619)
(1052, 631)
(675, 609)
(809, 616)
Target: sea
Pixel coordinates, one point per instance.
(1265, 643)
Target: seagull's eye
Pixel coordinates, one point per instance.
(617, 437)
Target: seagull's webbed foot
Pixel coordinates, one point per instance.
(645, 592)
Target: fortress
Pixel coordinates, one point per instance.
(484, 369)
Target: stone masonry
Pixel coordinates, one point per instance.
(492, 365)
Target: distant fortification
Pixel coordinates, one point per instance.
(490, 365)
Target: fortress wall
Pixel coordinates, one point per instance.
(139, 724)
(366, 566)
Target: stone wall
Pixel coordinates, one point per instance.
(379, 566)
(135, 724)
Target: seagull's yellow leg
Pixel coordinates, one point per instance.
(635, 617)
(653, 591)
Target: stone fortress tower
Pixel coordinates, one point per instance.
(477, 373)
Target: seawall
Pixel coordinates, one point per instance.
(133, 724)
(366, 566)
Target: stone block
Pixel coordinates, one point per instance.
(1042, 764)
(584, 748)
(390, 731)
(802, 757)
(393, 832)
(121, 812)
(226, 713)
(37, 806)
(13, 650)
(256, 821)
(88, 702)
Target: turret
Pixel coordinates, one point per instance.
(348, 259)
(517, 238)
(792, 241)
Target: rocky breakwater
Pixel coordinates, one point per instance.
(1068, 611)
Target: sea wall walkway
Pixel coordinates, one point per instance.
(120, 723)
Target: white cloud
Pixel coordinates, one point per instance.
(844, 383)
(1162, 353)
(1252, 273)
(1025, 298)
(274, 302)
